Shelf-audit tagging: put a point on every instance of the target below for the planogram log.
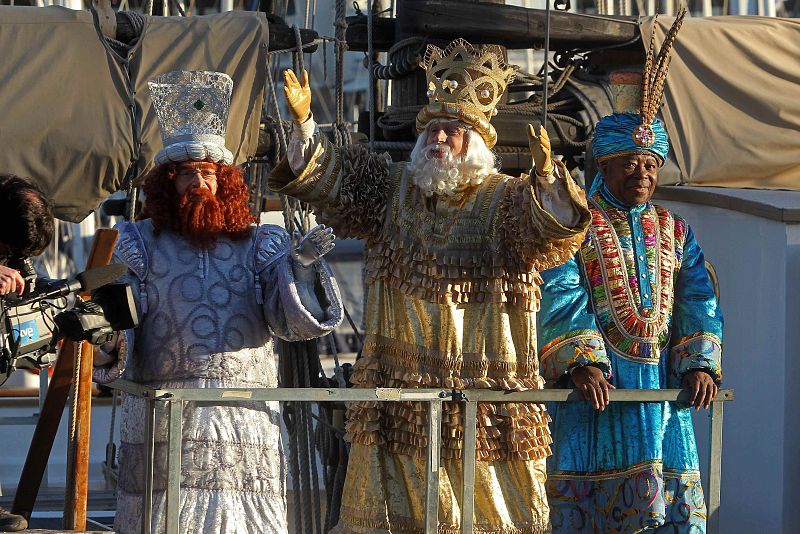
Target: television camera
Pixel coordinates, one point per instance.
(31, 324)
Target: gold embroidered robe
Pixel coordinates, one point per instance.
(452, 300)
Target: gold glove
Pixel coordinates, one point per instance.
(298, 95)
(540, 150)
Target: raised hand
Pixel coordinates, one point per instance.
(298, 95)
(540, 150)
(308, 249)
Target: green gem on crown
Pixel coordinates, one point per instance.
(198, 105)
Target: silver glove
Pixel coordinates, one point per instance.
(307, 250)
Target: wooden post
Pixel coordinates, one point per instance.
(50, 417)
(45, 433)
(77, 490)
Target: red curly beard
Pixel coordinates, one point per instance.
(201, 216)
(198, 215)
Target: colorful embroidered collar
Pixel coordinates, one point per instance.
(637, 331)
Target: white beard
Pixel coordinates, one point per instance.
(437, 175)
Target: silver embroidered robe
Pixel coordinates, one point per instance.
(209, 318)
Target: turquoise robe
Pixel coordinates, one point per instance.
(637, 303)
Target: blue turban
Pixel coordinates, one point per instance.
(613, 136)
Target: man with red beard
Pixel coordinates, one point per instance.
(212, 290)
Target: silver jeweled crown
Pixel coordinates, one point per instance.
(192, 109)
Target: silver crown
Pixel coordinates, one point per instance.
(192, 109)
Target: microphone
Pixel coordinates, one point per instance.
(115, 206)
(86, 281)
(92, 279)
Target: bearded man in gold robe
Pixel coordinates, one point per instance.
(452, 273)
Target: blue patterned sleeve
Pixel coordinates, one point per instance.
(696, 319)
(567, 330)
(289, 304)
(130, 251)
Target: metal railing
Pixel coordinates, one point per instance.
(177, 397)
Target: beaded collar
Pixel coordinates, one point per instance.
(638, 334)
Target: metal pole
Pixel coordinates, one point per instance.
(371, 79)
(742, 7)
(224, 395)
(468, 469)
(714, 466)
(546, 72)
(149, 453)
(434, 454)
(173, 502)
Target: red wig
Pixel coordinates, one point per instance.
(228, 213)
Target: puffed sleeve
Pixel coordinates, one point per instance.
(294, 309)
(697, 318)
(348, 187)
(534, 234)
(130, 251)
(567, 330)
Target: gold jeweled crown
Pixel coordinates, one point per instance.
(465, 84)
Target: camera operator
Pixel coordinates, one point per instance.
(26, 228)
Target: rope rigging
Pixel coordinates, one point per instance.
(404, 58)
(312, 429)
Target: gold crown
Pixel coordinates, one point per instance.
(465, 84)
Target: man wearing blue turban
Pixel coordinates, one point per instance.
(634, 309)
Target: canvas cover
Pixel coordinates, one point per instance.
(65, 95)
(731, 105)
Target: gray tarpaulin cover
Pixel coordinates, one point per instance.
(64, 94)
(732, 103)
